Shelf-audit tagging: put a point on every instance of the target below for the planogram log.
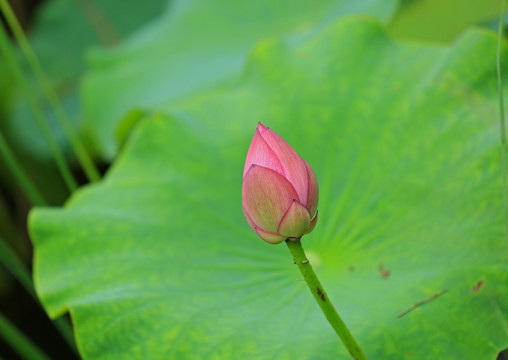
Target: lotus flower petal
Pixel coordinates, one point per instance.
(261, 154)
(312, 224)
(279, 189)
(293, 166)
(266, 196)
(296, 220)
(313, 192)
(270, 237)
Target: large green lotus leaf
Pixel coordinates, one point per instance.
(196, 46)
(60, 36)
(157, 261)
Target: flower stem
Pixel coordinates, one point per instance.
(319, 293)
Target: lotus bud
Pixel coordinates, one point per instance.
(279, 189)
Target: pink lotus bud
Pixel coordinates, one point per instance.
(279, 190)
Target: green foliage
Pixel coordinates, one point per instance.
(441, 21)
(158, 261)
(197, 45)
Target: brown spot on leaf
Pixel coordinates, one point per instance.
(320, 293)
(351, 268)
(385, 274)
(478, 286)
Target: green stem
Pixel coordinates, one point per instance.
(35, 196)
(15, 266)
(19, 342)
(79, 149)
(36, 110)
(319, 293)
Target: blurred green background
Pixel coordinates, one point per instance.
(111, 62)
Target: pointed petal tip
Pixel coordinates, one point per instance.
(261, 154)
(292, 166)
(261, 127)
(246, 170)
(252, 168)
(269, 237)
